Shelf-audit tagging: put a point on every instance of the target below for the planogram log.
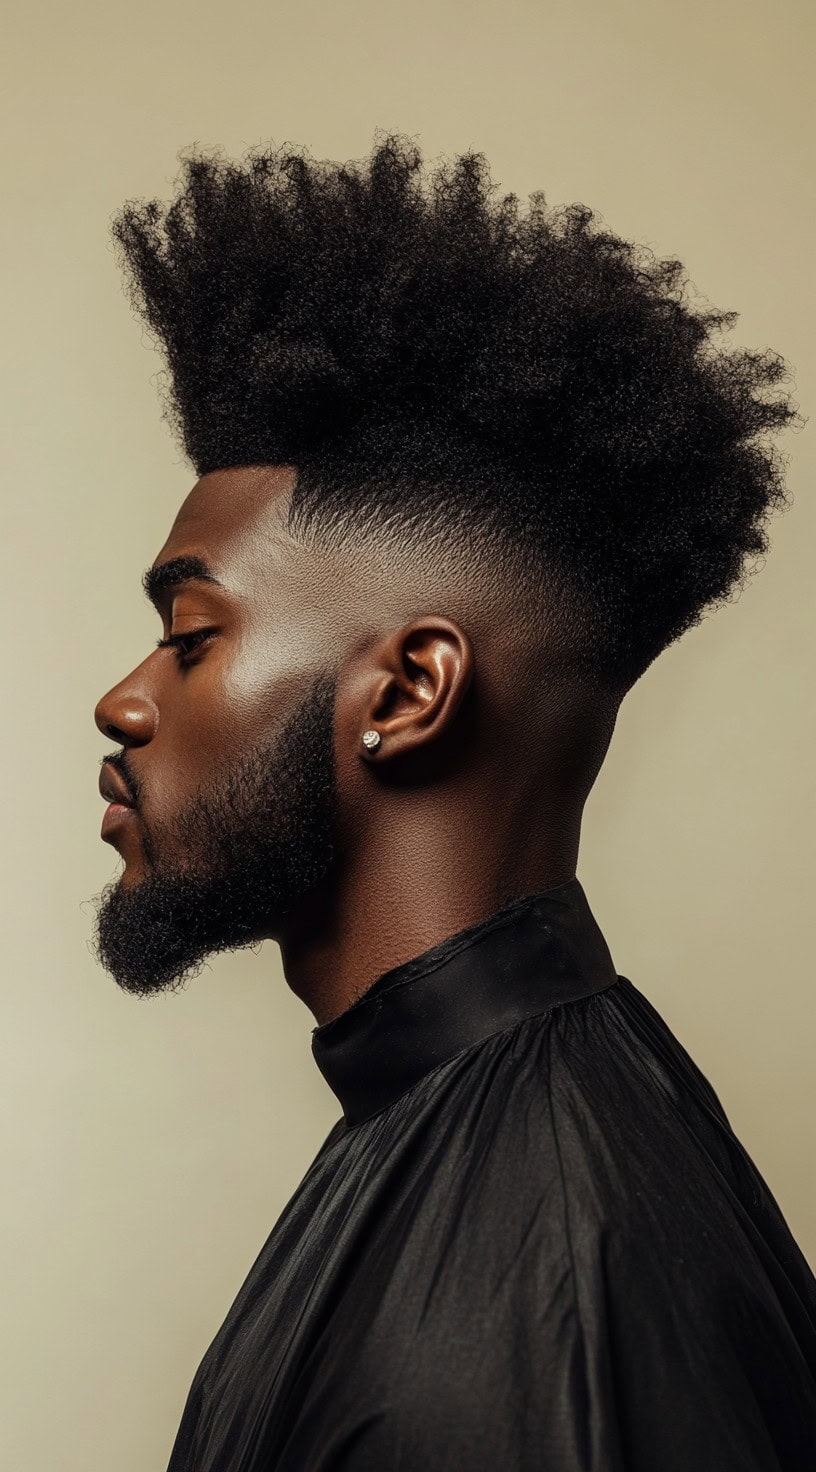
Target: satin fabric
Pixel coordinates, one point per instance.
(532, 1242)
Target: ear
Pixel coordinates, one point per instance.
(410, 686)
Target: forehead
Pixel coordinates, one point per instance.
(229, 515)
(234, 520)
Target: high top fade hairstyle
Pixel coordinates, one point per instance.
(441, 365)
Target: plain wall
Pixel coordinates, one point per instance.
(148, 1147)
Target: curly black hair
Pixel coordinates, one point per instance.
(433, 359)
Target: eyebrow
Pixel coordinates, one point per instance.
(163, 576)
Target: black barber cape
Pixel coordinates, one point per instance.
(532, 1243)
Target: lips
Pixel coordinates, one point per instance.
(112, 788)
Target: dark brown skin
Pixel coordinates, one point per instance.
(484, 764)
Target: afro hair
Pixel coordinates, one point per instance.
(432, 359)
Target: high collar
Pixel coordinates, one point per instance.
(527, 957)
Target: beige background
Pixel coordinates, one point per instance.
(149, 1147)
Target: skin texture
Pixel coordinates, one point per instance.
(475, 794)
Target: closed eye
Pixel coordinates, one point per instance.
(184, 644)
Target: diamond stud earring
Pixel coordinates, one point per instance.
(371, 740)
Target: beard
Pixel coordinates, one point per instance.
(253, 845)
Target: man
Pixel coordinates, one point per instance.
(464, 471)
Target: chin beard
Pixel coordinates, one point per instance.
(253, 846)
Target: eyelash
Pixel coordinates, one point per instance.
(184, 644)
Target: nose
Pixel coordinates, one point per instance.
(126, 716)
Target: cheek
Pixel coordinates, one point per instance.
(232, 701)
(268, 677)
(195, 737)
(200, 724)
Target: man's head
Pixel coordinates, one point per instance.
(464, 473)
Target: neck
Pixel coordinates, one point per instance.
(429, 875)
